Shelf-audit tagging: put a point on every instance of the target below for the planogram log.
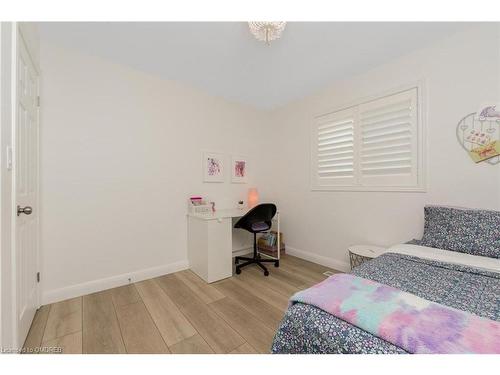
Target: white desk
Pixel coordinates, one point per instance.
(222, 214)
(210, 243)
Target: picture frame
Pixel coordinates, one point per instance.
(213, 167)
(239, 169)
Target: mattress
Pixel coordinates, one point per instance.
(468, 284)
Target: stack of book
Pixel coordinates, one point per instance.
(267, 244)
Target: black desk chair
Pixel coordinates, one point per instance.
(257, 220)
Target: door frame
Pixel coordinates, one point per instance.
(7, 331)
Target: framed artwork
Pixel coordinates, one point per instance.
(239, 169)
(213, 167)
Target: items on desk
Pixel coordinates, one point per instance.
(196, 201)
(253, 197)
(267, 243)
(197, 205)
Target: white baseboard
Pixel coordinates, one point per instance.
(94, 286)
(78, 290)
(320, 259)
(241, 252)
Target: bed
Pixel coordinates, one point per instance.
(456, 264)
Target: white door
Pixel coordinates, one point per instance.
(26, 191)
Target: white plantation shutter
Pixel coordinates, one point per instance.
(388, 140)
(333, 142)
(375, 145)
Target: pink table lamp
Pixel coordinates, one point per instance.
(253, 197)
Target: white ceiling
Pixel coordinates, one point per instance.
(223, 58)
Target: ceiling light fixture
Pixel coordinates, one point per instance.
(266, 31)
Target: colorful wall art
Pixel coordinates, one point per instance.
(239, 169)
(479, 134)
(213, 167)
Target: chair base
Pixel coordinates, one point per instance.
(255, 260)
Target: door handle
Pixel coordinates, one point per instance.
(24, 210)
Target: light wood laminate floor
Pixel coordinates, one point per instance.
(177, 313)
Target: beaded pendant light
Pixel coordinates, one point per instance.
(266, 31)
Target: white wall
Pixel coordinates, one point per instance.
(120, 155)
(460, 73)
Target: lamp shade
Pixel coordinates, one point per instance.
(253, 197)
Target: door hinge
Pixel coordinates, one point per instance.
(38, 101)
(38, 277)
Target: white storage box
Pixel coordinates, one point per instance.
(199, 209)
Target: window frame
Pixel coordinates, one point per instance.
(421, 112)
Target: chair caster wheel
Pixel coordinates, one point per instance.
(238, 271)
(266, 273)
(277, 264)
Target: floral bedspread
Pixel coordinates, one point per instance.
(308, 329)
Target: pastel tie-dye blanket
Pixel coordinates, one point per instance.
(403, 319)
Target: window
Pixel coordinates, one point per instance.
(375, 145)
